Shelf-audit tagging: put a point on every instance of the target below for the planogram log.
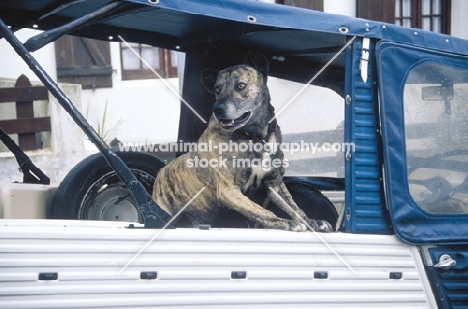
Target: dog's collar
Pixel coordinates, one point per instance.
(271, 130)
(266, 139)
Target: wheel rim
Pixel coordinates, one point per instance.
(113, 203)
(109, 199)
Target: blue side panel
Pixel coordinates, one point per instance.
(411, 223)
(364, 206)
(450, 285)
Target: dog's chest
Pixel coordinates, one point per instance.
(258, 166)
(256, 173)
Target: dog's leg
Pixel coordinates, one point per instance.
(281, 197)
(234, 199)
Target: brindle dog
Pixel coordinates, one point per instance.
(240, 115)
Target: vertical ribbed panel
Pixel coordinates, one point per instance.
(450, 285)
(189, 268)
(364, 207)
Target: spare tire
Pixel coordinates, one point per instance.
(93, 191)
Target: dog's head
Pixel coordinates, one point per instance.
(242, 97)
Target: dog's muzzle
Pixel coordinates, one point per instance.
(232, 124)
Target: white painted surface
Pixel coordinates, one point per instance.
(26, 201)
(66, 141)
(343, 7)
(12, 66)
(138, 111)
(194, 268)
(459, 20)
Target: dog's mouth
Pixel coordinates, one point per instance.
(235, 123)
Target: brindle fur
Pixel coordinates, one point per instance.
(228, 187)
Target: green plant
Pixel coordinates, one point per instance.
(106, 134)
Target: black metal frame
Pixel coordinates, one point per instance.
(31, 173)
(153, 215)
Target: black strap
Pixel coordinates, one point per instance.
(31, 173)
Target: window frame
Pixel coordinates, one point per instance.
(416, 15)
(83, 61)
(165, 70)
(385, 10)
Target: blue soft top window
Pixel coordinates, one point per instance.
(424, 107)
(436, 131)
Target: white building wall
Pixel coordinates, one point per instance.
(343, 7)
(459, 21)
(66, 140)
(12, 66)
(137, 111)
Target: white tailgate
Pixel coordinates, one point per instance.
(194, 268)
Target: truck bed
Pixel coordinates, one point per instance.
(79, 264)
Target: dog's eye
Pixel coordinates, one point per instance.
(241, 86)
(217, 90)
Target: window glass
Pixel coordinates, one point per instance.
(406, 7)
(174, 59)
(426, 7)
(312, 128)
(436, 7)
(426, 23)
(151, 55)
(436, 24)
(403, 13)
(141, 61)
(398, 8)
(130, 61)
(436, 128)
(431, 15)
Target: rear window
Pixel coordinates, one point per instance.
(436, 128)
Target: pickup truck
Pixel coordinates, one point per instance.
(385, 106)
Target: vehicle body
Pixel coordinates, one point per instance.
(402, 238)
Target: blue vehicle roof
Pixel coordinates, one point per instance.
(178, 24)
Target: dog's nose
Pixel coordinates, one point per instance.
(219, 108)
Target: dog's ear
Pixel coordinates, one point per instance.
(209, 78)
(258, 62)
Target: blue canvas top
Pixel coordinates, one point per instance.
(176, 24)
(280, 16)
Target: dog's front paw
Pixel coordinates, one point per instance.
(320, 226)
(325, 227)
(297, 227)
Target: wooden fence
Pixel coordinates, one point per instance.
(25, 124)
